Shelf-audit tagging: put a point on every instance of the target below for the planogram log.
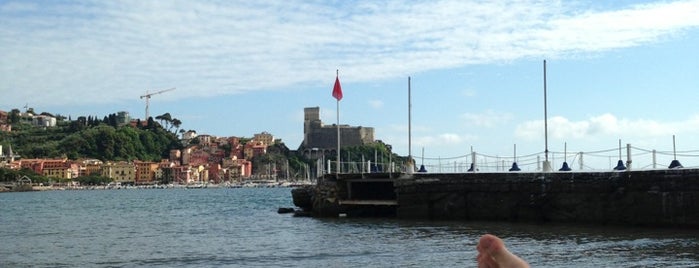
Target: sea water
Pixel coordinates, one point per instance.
(240, 227)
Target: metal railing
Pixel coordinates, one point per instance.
(632, 158)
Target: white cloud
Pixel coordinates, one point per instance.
(591, 31)
(442, 141)
(488, 118)
(450, 138)
(605, 125)
(376, 104)
(469, 93)
(114, 50)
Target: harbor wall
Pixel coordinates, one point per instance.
(646, 198)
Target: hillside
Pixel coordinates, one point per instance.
(109, 140)
(89, 138)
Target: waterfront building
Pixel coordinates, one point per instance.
(198, 174)
(87, 167)
(145, 172)
(214, 172)
(180, 174)
(58, 168)
(164, 172)
(120, 172)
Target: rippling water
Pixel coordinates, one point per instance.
(241, 228)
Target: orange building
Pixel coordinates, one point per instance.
(52, 168)
(145, 172)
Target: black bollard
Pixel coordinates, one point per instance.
(675, 164)
(514, 167)
(565, 167)
(620, 165)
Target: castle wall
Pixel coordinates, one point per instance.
(317, 135)
(326, 137)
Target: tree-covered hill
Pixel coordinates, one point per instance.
(108, 139)
(91, 138)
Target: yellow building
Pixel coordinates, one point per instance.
(120, 172)
(59, 168)
(264, 137)
(88, 167)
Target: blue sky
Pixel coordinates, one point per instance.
(616, 70)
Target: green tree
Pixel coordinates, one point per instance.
(176, 123)
(165, 119)
(14, 116)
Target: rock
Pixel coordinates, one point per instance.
(285, 210)
(303, 197)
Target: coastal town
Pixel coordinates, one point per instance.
(202, 160)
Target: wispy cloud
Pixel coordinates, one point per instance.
(487, 118)
(469, 93)
(107, 51)
(440, 140)
(376, 104)
(594, 127)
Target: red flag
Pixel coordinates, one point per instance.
(337, 89)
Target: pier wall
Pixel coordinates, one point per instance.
(646, 198)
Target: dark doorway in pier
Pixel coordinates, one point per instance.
(374, 190)
(370, 198)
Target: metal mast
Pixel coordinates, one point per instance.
(410, 152)
(547, 165)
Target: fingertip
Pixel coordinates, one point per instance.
(486, 242)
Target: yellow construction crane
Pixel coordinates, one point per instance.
(148, 95)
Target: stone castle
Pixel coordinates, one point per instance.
(323, 138)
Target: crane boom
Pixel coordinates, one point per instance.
(148, 95)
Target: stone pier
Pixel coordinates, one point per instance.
(666, 198)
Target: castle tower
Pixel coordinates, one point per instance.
(311, 120)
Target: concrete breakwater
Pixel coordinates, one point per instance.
(667, 198)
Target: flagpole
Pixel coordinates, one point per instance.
(547, 165)
(410, 146)
(337, 167)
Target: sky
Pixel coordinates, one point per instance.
(616, 72)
